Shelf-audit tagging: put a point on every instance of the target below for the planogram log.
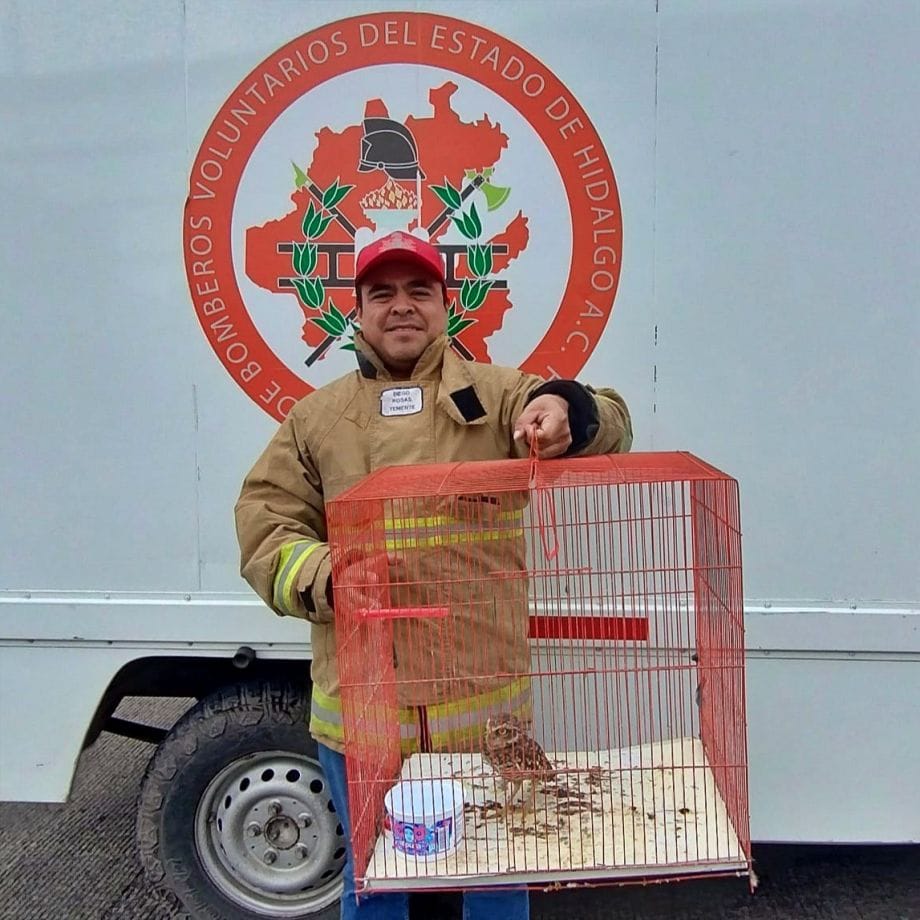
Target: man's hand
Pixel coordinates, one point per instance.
(547, 419)
(366, 580)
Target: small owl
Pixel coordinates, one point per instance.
(515, 756)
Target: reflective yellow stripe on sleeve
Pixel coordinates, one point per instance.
(290, 562)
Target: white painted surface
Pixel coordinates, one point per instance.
(786, 282)
(632, 812)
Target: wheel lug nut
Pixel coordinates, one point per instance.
(254, 829)
(269, 857)
(275, 807)
(304, 820)
(301, 852)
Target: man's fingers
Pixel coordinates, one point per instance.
(547, 426)
(550, 447)
(553, 436)
(526, 431)
(556, 449)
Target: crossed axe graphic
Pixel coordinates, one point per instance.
(350, 229)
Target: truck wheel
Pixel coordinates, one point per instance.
(235, 816)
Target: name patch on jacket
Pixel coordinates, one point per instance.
(401, 401)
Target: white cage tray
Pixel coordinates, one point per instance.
(649, 810)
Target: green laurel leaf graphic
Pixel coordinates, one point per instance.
(316, 227)
(473, 293)
(475, 222)
(463, 224)
(466, 293)
(341, 192)
(486, 259)
(297, 257)
(457, 326)
(355, 329)
(479, 259)
(300, 177)
(308, 219)
(322, 224)
(441, 192)
(449, 195)
(316, 293)
(453, 194)
(326, 325)
(483, 292)
(338, 316)
(473, 260)
(303, 293)
(304, 259)
(330, 193)
(332, 321)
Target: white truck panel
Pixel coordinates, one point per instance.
(99, 452)
(59, 658)
(785, 274)
(832, 745)
(43, 719)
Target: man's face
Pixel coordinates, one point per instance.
(401, 311)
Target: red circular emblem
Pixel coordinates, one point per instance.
(308, 254)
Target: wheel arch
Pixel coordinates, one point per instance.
(194, 676)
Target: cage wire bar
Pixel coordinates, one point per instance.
(562, 639)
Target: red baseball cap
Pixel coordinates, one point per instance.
(400, 247)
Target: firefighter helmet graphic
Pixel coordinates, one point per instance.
(390, 146)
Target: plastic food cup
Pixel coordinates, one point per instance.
(426, 816)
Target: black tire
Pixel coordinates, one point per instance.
(227, 746)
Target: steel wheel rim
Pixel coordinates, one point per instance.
(293, 863)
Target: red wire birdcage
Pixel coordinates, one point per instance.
(542, 672)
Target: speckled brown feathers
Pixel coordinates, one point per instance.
(513, 754)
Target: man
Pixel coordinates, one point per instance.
(412, 400)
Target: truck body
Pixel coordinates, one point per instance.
(765, 318)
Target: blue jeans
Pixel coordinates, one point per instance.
(507, 904)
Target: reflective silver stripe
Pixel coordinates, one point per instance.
(476, 716)
(331, 718)
(326, 716)
(287, 574)
(462, 715)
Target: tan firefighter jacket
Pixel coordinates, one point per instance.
(450, 410)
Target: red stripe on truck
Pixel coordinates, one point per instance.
(610, 629)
